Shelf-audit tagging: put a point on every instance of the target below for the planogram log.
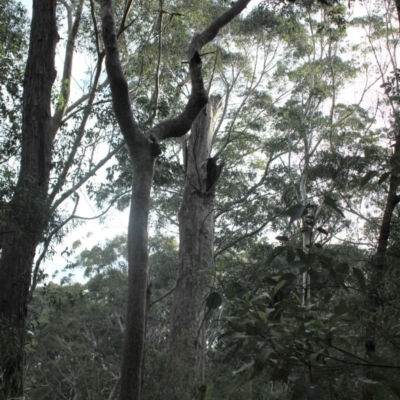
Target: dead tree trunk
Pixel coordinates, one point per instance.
(196, 255)
(144, 149)
(25, 217)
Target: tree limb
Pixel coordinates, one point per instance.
(66, 77)
(180, 125)
(92, 172)
(62, 177)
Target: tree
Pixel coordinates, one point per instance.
(382, 35)
(196, 247)
(32, 208)
(144, 149)
(25, 218)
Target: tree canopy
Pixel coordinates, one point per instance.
(257, 150)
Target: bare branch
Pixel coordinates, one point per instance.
(62, 177)
(46, 247)
(162, 297)
(252, 189)
(66, 78)
(78, 102)
(92, 172)
(122, 26)
(118, 84)
(112, 202)
(246, 235)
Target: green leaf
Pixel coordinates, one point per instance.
(288, 277)
(282, 238)
(76, 244)
(367, 381)
(275, 253)
(367, 177)
(297, 264)
(262, 315)
(361, 279)
(244, 367)
(278, 286)
(214, 300)
(332, 204)
(233, 290)
(302, 255)
(263, 356)
(383, 177)
(296, 212)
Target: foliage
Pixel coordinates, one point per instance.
(13, 48)
(298, 206)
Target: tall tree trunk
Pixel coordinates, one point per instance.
(196, 255)
(144, 149)
(142, 171)
(25, 217)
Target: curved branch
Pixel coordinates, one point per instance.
(180, 125)
(162, 297)
(118, 83)
(46, 247)
(246, 235)
(122, 27)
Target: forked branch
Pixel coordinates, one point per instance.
(174, 127)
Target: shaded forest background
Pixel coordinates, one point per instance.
(298, 296)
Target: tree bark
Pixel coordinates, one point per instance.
(144, 150)
(196, 256)
(25, 217)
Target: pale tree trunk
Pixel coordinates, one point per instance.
(196, 255)
(144, 149)
(25, 217)
(306, 231)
